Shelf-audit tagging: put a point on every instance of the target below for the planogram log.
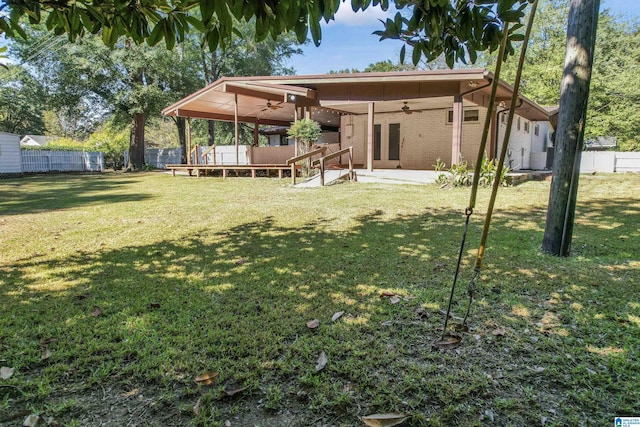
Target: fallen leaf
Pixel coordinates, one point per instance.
(386, 294)
(96, 311)
(449, 342)
(130, 393)
(384, 420)
(337, 315)
(241, 261)
(321, 362)
(196, 407)
(154, 305)
(232, 391)
(45, 354)
(206, 378)
(489, 413)
(6, 372)
(499, 332)
(31, 420)
(313, 324)
(45, 342)
(394, 299)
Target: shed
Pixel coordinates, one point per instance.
(10, 155)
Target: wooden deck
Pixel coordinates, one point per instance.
(203, 168)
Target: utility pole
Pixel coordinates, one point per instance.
(581, 37)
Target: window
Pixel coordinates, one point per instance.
(526, 126)
(503, 117)
(536, 130)
(518, 125)
(377, 141)
(467, 116)
(284, 140)
(471, 115)
(394, 141)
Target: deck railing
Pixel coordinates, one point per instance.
(321, 162)
(292, 161)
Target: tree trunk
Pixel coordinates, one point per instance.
(181, 123)
(136, 143)
(211, 124)
(581, 34)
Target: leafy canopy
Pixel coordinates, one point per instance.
(459, 29)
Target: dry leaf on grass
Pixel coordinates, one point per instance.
(96, 311)
(241, 261)
(384, 420)
(45, 354)
(31, 420)
(206, 378)
(499, 332)
(337, 315)
(196, 407)
(321, 362)
(48, 341)
(449, 342)
(232, 390)
(130, 393)
(386, 294)
(6, 372)
(313, 324)
(394, 299)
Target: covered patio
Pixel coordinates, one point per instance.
(337, 101)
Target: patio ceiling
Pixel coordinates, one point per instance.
(273, 100)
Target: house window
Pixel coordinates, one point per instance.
(518, 124)
(526, 126)
(536, 130)
(467, 116)
(471, 115)
(394, 141)
(284, 140)
(503, 117)
(377, 142)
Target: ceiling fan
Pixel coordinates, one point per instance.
(405, 108)
(270, 106)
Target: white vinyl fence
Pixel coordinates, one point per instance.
(61, 161)
(610, 161)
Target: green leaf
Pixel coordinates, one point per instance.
(195, 23)
(207, 8)
(403, 52)
(213, 37)
(416, 54)
(156, 34)
(316, 32)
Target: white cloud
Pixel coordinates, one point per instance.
(346, 15)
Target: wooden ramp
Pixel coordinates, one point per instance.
(330, 175)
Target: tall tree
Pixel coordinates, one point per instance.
(581, 38)
(22, 101)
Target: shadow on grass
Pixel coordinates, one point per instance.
(237, 303)
(27, 195)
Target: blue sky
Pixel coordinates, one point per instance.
(347, 42)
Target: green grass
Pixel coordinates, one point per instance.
(196, 275)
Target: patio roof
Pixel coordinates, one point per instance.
(272, 100)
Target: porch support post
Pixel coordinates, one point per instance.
(456, 137)
(370, 133)
(307, 113)
(188, 153)
(235, 122)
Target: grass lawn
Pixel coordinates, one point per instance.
(118, 290)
